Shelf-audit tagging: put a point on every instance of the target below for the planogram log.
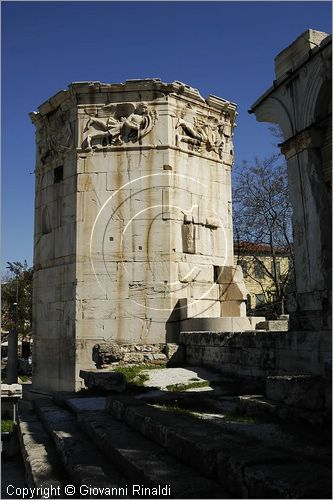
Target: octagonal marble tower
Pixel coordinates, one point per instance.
(133, 220)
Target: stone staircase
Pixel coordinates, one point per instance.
(93, 449)
(153, 444)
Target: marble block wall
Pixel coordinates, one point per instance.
(133, 220)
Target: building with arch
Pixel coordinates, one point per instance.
(300, 102)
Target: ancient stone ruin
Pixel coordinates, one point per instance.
(134, 262)
(133, 224)
(300, 102)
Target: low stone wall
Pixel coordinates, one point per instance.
(229, 323)
(258, 353)
(112, 353)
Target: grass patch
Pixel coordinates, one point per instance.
(176, 409)
(134, 375)
(7, 425)
(20, 378)
(233, 416)
(186, 387)
(140, 379)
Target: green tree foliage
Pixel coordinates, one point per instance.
(16, 297)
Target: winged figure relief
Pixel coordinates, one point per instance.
(201, 134)
(54, 136)
(116, 124)
(59, 132)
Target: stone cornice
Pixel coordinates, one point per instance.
(290, 75)
(311, 137)
(151, 85)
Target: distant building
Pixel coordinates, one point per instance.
(258, 270)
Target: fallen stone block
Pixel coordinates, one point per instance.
(104, 379)
(278, 325)
(11, 390)
(106, 353)
(301, 391)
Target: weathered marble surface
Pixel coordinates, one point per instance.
(301, 391)
(259, 353)
(133, 220)
(11, 390)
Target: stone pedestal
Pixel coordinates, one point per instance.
(133, 225)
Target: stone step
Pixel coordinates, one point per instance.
(43, 469)
(221, 451)
(84, 463)
(106, 380)
(258, 406)
(300, 391)
(183, 436)
(145, 463)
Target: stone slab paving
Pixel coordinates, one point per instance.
(188, 438)
(82, 460)
(228, 449)
(86, 404)
(162, 377)
(161, 439)
(144, 461)
(42, 467)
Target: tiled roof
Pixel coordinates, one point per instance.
(247, 247)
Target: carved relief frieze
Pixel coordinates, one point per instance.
(117, 124)
(55, 136)
(204, 134)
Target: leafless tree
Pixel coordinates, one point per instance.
(262, 217)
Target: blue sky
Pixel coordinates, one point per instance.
(221, 48)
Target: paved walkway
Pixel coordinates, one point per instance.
(162, 377)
